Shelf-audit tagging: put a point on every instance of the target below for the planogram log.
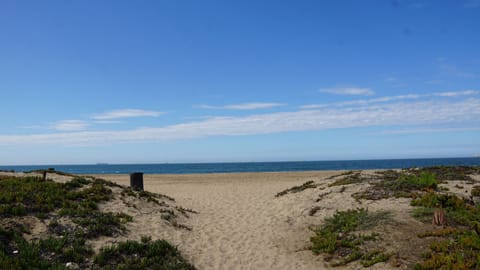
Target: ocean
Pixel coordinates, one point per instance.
(290, 166)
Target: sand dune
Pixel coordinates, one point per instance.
(241, 225)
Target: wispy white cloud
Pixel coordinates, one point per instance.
(314, 106)
(106, 121)
(125, 113)
(244, 106)
(429, 130)
(392, 98)
(349, 91)
(457, 93)
(429, 112)
(69, 125)
(33, 127)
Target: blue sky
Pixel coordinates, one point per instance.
(202, 81)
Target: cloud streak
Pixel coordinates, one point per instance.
(429, 130)
(125, 113)
(70, 125)
(360, 102)
(392, 114)
(244, 106)
(348, 91)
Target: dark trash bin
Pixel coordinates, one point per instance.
(136, 180)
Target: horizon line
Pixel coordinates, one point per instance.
(233, 162)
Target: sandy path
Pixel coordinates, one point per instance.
(241, 225)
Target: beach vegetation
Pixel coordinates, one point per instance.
(411, 182)
(404, 186)
(295, 189)
(451, 173)
(71, 210)
(389, 175)
(322, 196)
(458, 245)
(77, 182)
(348, 179)
(185, 211)
(475, 191)
(374, 257)
(458, 211)
(439, 232)
(455, 244)
(22, 196)
(341, 239)
(146, 254)
(455, 251)
(50, 253)
(145, 195)
(342, 174)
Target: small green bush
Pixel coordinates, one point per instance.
(146, 254)
(457, 210)
(337, 233)
(29, 195)
(409, 182)
(50, 253)
(460, 251)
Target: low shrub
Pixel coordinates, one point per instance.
(337, 238)
(146, 254)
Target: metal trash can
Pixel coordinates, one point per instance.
(136, 180)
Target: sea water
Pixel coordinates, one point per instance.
(287, 166)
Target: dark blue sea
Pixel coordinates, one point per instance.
(250, 166)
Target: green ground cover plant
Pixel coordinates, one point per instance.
(49, 253)
(339, 237)
(458, 210)
(66, 244)
(146, 254)
(443, 173)
(295, 189)
(457, 246)
(402, 185)
(22, 196)
(351, 178)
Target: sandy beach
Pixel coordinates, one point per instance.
(236, 221)
(242, 225)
